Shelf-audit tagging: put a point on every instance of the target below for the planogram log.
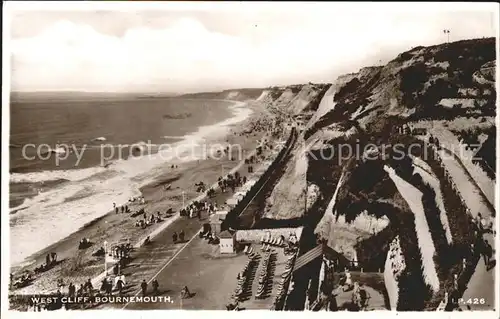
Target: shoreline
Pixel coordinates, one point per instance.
(148, 168)
(112, 227)
(28, 182)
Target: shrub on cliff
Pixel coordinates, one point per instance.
(349, 88)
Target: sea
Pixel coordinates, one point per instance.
(70, 159)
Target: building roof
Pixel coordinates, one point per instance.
(225, 234)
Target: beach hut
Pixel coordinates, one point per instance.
(232, 201)
(227, 242)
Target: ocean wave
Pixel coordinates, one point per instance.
(86, 191)
(15, 209)
(168, 137)
(89, 193)
(43, 176)
(63, 210)
(240, 113)
(44, 199)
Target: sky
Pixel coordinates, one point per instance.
(175, 48)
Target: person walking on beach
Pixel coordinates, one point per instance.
(119, 285)
(155, 285)
(88, 286)
(71, 290)
(109, 288)
(364, 296)
(464, 266)
(81, 290)
(479, 225)
(487, 252)
(144, 287)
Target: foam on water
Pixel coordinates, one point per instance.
(90, 193)
(43, 176)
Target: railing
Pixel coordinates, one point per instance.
(308, 257)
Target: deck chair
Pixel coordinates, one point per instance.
(268, 238)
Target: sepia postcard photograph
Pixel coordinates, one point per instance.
(235, 156)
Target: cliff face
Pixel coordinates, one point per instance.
(234, 95)
(361, 112)
(411, 86)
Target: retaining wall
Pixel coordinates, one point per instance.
(243, 203)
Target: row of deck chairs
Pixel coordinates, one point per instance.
(250, 252)
(265, 277)
(285, 279)
(273, 241)
(266, 247)
(244, 280)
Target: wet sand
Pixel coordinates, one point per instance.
(78, 265)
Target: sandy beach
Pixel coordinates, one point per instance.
(78, 265)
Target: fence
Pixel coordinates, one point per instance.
(255, 235)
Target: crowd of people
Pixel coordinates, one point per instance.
(22, 281)
(481, 227)
(124, 208)
(178, 238)
(84, 243)
(27, 277)
(194, 209)
(50, 261)
(396, 257)
(154, 284)
(210, 236)
(231, 182)
(145, 221)
(478, 248)
(135, 200)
